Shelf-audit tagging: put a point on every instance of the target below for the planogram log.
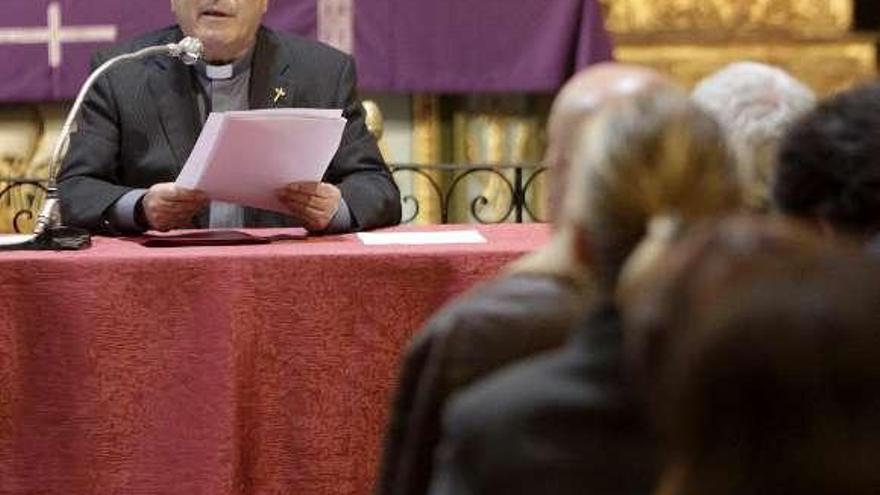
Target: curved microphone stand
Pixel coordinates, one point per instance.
(49, 231)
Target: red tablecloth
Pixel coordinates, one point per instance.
(246, 369)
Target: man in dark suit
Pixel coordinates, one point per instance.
(140, 123)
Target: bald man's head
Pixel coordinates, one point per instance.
(581, 96)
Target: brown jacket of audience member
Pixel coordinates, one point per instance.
(516, 316)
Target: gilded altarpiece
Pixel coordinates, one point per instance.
(729, 18)
(692, 38)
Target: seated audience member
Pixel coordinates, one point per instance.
(755, 105)
(762, 365)
(528, 310)
(829, 165)
(565, 422)
(659, 294)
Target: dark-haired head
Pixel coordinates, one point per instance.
(775, 389)
(694, 272)
(829, 165)
(757, 346)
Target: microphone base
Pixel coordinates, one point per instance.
(50, 239)
(49, 233)
(50, 213)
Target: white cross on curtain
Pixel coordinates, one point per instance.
(55, 34)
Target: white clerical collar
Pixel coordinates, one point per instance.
(215, 72)
(225, 71)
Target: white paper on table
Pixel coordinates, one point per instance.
(244, 157)
(15, 239)
(421, 238)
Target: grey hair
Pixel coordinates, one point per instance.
(755, 104)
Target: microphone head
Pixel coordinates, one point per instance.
(191, 50)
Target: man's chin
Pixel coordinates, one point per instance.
(216, 50)
(218, 47)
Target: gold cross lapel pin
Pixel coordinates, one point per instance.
(279, 94)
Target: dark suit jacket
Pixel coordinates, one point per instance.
(561, 423)
(497, 323)
(141, 121)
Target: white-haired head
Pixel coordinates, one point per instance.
(755, 105)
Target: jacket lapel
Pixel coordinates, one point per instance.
(271, 85)
(172, 87)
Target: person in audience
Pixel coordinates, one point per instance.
(527, 310)
(645, 167)
(767, 379)
(141, 120)
(829, 166)
(755, 105)
(659, 294)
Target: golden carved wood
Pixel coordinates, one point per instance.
(689, 39)
(716, 18)
(427, 150)
(827, 66)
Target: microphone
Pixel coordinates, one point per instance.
(189, 50)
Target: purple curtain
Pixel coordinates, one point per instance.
(401, 45)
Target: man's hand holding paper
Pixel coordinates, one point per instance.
(313, 203)
(269, 159)
(167, 206)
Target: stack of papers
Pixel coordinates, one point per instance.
(244, 157)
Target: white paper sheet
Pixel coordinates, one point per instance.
(244, 157)
(421, 238)
(315, 113)
(15, 239)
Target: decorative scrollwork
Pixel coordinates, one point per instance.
(19, 201)
(416, 206)
(18, 217)
(481, 200)
(413, 199)
(455, 177)
(536, 173)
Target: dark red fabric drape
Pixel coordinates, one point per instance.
(248, 369)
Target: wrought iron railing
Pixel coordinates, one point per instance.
(447, 186)
(445, 182)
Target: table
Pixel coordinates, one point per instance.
(241, 369)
